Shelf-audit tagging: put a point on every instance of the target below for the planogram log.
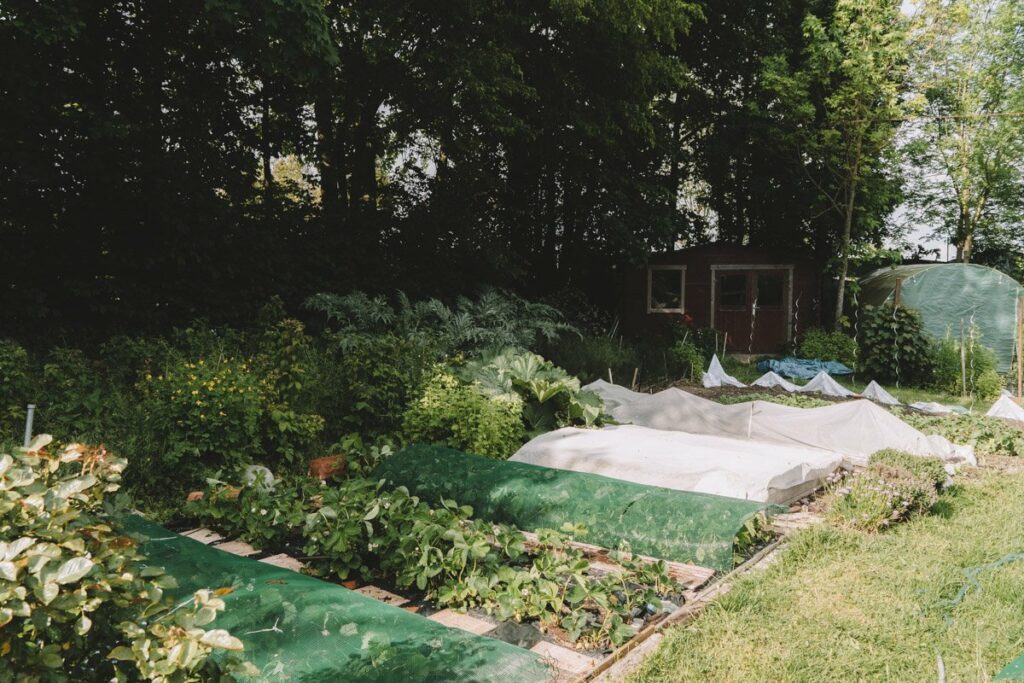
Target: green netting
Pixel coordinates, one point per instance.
(947, 294)
(298, 628)
(1014, 671)
(673, 525)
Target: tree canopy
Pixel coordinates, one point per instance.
(167, 160)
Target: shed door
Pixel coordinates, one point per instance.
(751, 306)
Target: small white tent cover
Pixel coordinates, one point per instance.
(1007, 409)
(771, 380)
(931, 407)
(716, 376)
(876, 393)
(854, 429)
(685, 462)
(824, 384)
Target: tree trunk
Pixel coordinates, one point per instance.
(844, 265)
(326, 148)
(265, 151)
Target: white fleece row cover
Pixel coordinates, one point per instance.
(767, 473)
(1006, 408)
(854, 429)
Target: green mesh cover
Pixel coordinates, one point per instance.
(673, 525)
(1014, 671)
(298, 628)
(948, 293)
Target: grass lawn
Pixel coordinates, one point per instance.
(845, 606)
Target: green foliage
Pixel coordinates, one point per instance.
(988, 435)
(952, 358)
(821, 345)
(77, 602)
(795, 400)
(689, 359)
(884, 493)
(893, 346)
(451, 413)
(930, 468)
(15, 387)
(376, 378)
(590, 358)
(355, 528)
(551, 397)
(495, 319)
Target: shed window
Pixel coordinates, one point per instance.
(732, 290)
(770, 288)
(666, 289)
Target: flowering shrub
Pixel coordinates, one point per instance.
(205, 410)
(884, 493)
(77, 601)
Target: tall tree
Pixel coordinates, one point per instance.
(967, 150)
(844, 103)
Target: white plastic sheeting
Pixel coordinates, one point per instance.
(771, 380)
(716, 376)
(1007, 409)
(854, 429)
(685, 462)
(876, 393)
(931, 407)
(824, 384)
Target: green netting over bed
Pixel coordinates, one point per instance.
(673, 525)
(298, 628)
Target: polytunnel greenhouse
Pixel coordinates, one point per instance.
(949, 295)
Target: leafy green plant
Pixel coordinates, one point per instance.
(689, 358)
(374, 380)
(16, 387)
(988, 435)
(821, 345)
(452, 413)
(494, 319)
(886, 492)
(966, 367)
(893, 346)
(795, 400)
(355, 528)
(930, 468)
(551, 397)
(77, 601)
(591, 358)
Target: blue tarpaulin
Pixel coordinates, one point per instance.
(802, 368)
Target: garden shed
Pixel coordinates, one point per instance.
(762, 299)
(951, 295)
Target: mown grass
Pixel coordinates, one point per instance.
(846, 606)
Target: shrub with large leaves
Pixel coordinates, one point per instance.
(551, 397)
(893, 346)
(494, 319)
(77, 600)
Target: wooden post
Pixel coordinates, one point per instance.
(610, 380)
(636, 371)
(725, 343)
(963, 359)
(896, 293)
(1020, 349)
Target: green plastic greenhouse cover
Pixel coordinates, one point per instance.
(672, 525)
(1014, 671)
(298, 628)
(948, 293)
